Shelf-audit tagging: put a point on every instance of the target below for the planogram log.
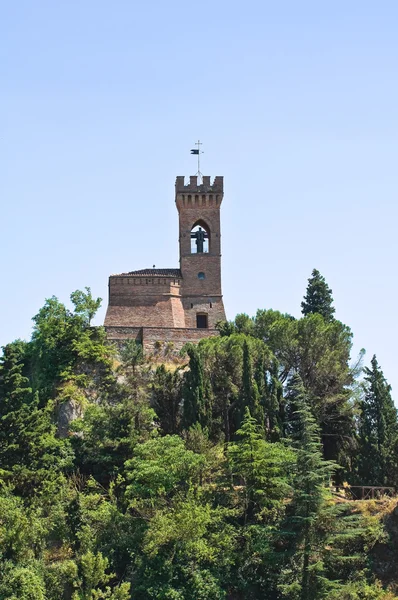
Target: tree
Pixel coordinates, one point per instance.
(261, 470)
(238, 371)
(312, 475)
(94, 579)
(54, 331)
(378, 430)
(249, 397)
(63, 347)
(318, 298)
(187, 552)
(244, 324)
(109, 431)
(29, 451)
(21, 583)
(325, 543)
(160, 469)
(241, 324)
(167, 398)
(132, 355)
(196, 407)
(15, 388)
(318, 351)
(85, 305)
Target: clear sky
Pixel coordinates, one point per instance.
(296, 104)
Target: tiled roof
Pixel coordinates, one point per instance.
(155, 273)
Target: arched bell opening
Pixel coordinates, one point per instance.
(200, 238)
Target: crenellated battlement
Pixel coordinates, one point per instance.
(199, 195)
(206, 187)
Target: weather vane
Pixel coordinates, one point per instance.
(198, 152)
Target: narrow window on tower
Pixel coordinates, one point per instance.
(201, 321)
(200, 239)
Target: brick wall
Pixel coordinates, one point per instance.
(154, 338)
(114, 333)
(141, 301)
(214, 308)
(177, 337)
(151, 312)
(123, 290)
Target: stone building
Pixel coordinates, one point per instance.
(181, 305)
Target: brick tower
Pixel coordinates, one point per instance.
(154, 306)
(199, 213)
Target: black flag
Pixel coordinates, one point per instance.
(195, 151)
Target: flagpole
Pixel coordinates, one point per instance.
(198, 144)
(199, 159)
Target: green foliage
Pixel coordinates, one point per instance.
(261, 470)
(378, 431)
(238, 371)
(131, 355)
(318, 351)
(30, 453)
(160, 468)
(305, 574)
(94, 579)
(206, 481)
(85, 305)
(108, 432)
(196, 543)
(22, 532)
(196, 408)
(361, 590)
(63, 346)
(21, 583)
(167, 398)
(249, 395)
(326, 543)
(318, 298)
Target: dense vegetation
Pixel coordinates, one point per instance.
(207, 477)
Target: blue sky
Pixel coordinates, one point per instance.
(296, 104)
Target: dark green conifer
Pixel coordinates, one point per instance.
(14, 385)
(195, 404)
(262, 467)
(166, 398)
(378, 430)
(29, 450)
(318, 298)
(249, 396)
(311, 478)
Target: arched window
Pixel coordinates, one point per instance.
(200, 238)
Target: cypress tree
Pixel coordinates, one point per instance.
(378, 430)
(318, 298)
(249, 394)
(166, 398)
(195, 407)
